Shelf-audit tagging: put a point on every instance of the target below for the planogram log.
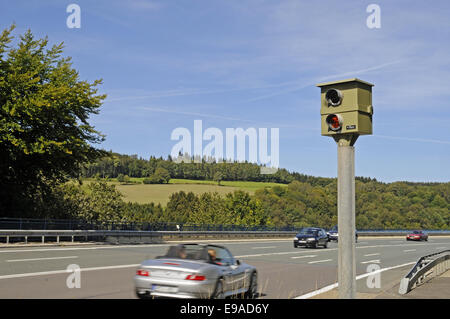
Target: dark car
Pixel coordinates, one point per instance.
(333, 234)
(417, 235)
(311, 237)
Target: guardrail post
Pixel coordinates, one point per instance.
(7, 239)
(57, 239)
(43, 239)
(404, 283)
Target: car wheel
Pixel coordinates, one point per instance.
(218, 292)
(252, 291)
(295, 246)
(143, 296)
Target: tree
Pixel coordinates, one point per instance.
(218, 177)
(124, 179)
(162, 175)
(181, 206)
(45, 136)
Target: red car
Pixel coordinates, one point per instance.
(417, 235)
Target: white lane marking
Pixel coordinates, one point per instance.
(55, 272)
(266, 247)
(229, 242)
(375, 261)
(35, 259)
(335, 285)
(441, 247)
(282, 253)
(408, 250)
(307, 256)
(368, 255)
(400, 245)
(79, 248)
(319, 261)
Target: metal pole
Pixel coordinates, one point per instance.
(346, 221)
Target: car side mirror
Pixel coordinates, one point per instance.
(238, 262)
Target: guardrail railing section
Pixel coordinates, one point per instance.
(425, 269)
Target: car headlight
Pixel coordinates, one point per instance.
(295, 238)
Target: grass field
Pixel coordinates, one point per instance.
(138, 192)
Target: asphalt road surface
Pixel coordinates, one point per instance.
(284, 271)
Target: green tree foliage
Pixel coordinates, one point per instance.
(44, 132)
(160, 176)
(124, 179)
(97, 201)
(181, 207)
(218, 177)
(306, 201)
(299, 204)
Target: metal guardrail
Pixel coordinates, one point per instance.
(67, 224)
(141, 236)
(136, 236)
(427, 267)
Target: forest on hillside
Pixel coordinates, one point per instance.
(306, 201)
(378, 206)
(114, 165)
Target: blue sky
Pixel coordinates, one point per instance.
(236, 63)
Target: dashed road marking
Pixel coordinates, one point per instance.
(375, 261)
(320, 261)
(56, 272)
(36, 259)
(375, 254)
(307, 256)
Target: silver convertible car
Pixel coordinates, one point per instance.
(195, 271)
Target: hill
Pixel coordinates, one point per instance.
(137, 192)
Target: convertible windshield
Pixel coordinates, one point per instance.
(192, 252)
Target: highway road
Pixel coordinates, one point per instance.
(284, 271)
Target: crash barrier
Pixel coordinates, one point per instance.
(120, 236)
(68, 224)
(124, 236)
(426, 268)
